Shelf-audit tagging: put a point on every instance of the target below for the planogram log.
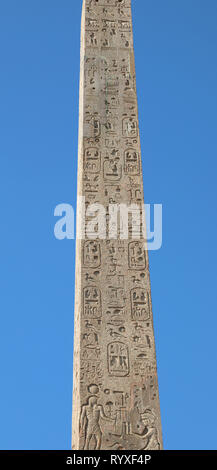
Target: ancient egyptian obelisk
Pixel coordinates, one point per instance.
(115, 395)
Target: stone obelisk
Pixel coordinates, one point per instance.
(115, 394)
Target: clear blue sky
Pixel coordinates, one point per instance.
(176, 63)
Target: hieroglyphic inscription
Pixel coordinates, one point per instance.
(118, 359)
(92, 302)
(92, 254)
(140, 307)
(116, 402)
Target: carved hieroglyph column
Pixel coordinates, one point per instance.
(115, 396)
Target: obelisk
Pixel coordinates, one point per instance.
(115, 390)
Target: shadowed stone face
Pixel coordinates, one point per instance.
(115, 396)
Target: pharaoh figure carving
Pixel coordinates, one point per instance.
(115, 396)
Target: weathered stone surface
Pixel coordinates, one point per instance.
(115, 396)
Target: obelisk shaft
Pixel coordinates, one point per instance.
(115, 395)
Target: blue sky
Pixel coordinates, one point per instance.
(176, 64)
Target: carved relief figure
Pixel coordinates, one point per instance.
(90, 422)
(151, 433)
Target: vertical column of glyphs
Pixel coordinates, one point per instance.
(115, 351)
